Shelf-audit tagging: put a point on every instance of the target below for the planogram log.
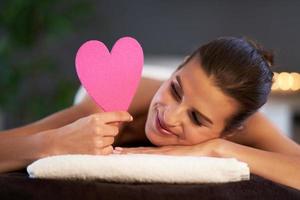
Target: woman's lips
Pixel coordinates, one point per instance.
(159, 127)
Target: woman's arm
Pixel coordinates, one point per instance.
(145, 91)
(278, 167)
(271, 155)
(56, 120)
(93, 134)
(259, 132)
(20, 150)
(20, 146)
(268, 153)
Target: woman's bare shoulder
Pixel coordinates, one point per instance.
(144, 94)
(141, 100)
(261, 133)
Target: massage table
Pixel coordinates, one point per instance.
(17, 185)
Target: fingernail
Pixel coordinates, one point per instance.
(119, 148)
(131, 118)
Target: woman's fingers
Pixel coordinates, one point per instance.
(138, 150)
(106, 130)
(104, 151)
(108, 141)
(141, 150)
(110, 117)
(93, 134)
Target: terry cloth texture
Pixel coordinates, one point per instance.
(147, 168)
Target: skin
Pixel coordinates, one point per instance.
(86, 129)
(190, 138)
(175, 105)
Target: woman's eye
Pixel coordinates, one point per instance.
(177, 96)
(195, 119)
(174, 91)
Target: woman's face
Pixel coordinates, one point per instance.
(188, 109)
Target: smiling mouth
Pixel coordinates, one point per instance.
(160, 127)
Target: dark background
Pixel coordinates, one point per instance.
(39, 40)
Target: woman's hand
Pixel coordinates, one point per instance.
(89, 135)
(208, 148)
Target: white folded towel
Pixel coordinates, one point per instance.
(141, 168)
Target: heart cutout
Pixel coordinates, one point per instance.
(111, 79)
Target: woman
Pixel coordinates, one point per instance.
(208, 107)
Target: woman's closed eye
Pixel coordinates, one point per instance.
(177, 96)
(175, 92)
(194, 117)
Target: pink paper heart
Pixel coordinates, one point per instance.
(111, 79)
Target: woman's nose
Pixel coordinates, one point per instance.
(173, 116)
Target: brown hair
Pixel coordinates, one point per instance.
(241, 69)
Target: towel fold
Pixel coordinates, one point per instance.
(146, 168)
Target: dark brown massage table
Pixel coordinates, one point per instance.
(17, 185)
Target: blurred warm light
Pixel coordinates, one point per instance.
(286, 81)
(296, 81)
(275, 82)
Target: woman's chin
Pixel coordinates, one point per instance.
(152, 134)
(149, 136)
(155, 139)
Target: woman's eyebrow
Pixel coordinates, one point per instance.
(197, 111)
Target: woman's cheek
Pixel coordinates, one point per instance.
(193, 137)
